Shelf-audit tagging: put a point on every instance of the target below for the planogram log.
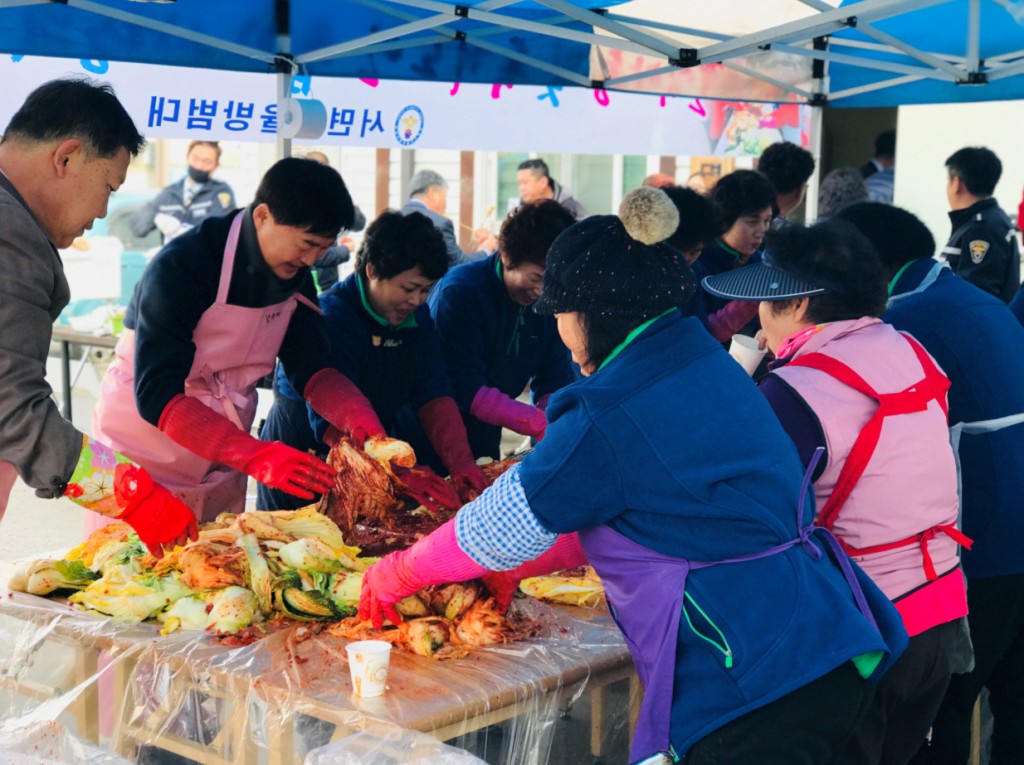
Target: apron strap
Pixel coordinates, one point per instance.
(229, 258)
(932, 387)
(912, 399)
(303, 300)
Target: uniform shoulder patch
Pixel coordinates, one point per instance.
(978, 249)
(224, 197)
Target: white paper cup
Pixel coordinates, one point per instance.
(368, 663)
(744, 349)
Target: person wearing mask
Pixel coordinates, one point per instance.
(969, 332)
(382, 338)
(872, 403)
(536, 184)
(188, 202)
(63, 153)
(983, 246)
(428, 195)
(788, 167)
(672, 515)
(494, 345)
(212, 312)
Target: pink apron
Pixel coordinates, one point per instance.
(235, 348)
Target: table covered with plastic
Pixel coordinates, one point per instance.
(288, 697)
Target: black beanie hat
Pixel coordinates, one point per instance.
(898, 236)
(609, 265)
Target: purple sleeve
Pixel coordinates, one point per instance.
(797, 418)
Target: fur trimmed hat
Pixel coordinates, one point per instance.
(620, 265)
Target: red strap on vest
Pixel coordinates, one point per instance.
(932, 387)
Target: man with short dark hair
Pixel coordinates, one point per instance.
(63, 153)
(428, 195)
(187, 202)
(536, 184)
(788, 167)
(983, 247)
(212, 313)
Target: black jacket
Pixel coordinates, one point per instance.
(983, 248)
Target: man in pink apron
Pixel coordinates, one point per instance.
(63, 153)
(212, 313)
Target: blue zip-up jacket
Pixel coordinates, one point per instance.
(488, 339)
(980, 346)
(705, 477)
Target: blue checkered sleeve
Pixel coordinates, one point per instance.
(498, 530)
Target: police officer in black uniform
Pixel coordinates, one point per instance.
(983, 247)
(188, 202)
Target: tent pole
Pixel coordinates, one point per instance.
(973, 35)
(285, 68)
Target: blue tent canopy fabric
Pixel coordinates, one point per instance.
(874, 52)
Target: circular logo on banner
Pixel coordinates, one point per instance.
(409, 125)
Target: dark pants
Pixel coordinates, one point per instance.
(997, 631)
(905, 702)
(805, 727)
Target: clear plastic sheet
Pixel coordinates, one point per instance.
(390, 745)
(27, 742)
(289, 694)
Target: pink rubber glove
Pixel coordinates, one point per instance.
(189, 422)
(435, 559)
(492, 406)
(566, 552)
(730, 319)
(337, 399)
(443, 424)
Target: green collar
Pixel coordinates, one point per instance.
(631, 337)
(736, 254)
(896, 278)
(410, 320)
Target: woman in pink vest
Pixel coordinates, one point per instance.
(870, 404)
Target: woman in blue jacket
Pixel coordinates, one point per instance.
(493, 343)
(745, 622)
(382, 340)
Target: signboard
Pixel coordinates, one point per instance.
(173, 102)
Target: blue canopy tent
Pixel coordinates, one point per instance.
(861, 53)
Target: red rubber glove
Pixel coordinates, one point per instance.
(435, 559)
(566, 552)
(442, 421)
(492, 406)
(423, 485)
(158, 517)
(336, 398)
(198, 428)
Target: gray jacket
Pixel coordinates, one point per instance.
(42, 445)
(564, 198)
(447, 229)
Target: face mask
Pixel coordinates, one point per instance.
(199, 176)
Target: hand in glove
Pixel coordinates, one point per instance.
(167, 224)
(443, 424)
(336, 398)
(566, 552)
(198, 428)
(423, 485)
(492, 406)
(110, 484)
(435, 559)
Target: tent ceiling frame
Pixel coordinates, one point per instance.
(867, 63)
(770, 80)
(816, 25)
(175, 31)
(655, 43)
(871, 87)
(897, 44)
(1006, 71)
(360, 43)
(19, 3)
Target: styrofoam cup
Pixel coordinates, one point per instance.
(368, 663)
(744, 349)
